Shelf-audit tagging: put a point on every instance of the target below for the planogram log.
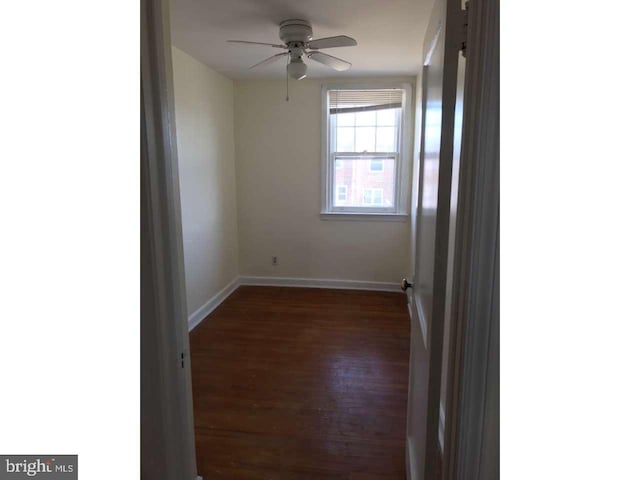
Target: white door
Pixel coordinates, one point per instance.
(439, 133)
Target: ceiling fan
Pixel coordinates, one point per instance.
(297, 36)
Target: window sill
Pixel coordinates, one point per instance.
(365, 217)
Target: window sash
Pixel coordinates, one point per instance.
(365, 158)
(332, 133)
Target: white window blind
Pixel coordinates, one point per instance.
(349, 101)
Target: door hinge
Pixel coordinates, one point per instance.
(182, 360)
(464, 28)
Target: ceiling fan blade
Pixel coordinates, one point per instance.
(330, 61)
(269, 60)
(330, 42)
(257, 43)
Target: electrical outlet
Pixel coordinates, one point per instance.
(274, 260)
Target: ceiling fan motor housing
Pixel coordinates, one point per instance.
(295, 31)
(297, 36)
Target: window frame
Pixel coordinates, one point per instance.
(329, 210)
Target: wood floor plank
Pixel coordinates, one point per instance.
(302, 383)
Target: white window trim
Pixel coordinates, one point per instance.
(400, 211)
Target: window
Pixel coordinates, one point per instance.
(341, 192)
(365, 145)
(376, 165)
(373, 196)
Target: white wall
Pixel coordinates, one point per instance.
(278, 164)
(204, 123)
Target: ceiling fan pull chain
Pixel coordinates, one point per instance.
(287, 75)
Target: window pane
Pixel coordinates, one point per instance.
(373, 197)
(376, 165)
(345, 119)
(386, 139)
(345, 139)
(363, 187)
(387, 117)
(365, 139)
(366, 119)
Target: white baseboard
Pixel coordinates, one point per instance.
(319, 283)
(200, 314)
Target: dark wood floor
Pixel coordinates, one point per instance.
(298, 383)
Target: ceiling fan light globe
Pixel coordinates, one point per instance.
(297, 70)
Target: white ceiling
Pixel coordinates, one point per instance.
(390, 34)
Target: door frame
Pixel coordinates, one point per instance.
(166, 408)
(471, 446)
